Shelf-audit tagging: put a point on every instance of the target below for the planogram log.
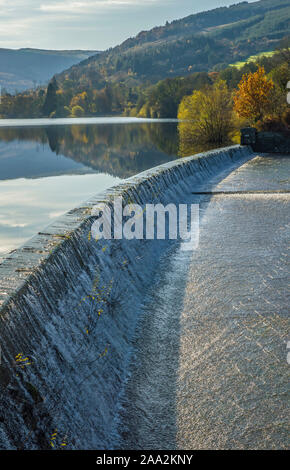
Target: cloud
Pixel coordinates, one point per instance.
(87, 24)
(89, 6)
(17, 26)
(76, 24)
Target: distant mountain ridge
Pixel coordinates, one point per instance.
(147, 76)
(25, 68)
(200, 42)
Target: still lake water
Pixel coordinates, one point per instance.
(49, 166)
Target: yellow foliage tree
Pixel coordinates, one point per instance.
(206, 117)
(253, 95)
(81, 99)
(77, 111)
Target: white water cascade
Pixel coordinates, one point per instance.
(69, 311)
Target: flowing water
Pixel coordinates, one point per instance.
(138, 344)
(71, 310)
(210, 367)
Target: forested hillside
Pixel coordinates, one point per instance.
(148, 76)
(201, 42)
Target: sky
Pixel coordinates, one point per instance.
(88, 24)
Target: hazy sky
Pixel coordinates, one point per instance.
(87, 24)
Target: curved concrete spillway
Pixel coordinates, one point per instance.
(74, 333)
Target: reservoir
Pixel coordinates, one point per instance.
(48, 166)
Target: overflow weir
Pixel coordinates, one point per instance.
(136, 344)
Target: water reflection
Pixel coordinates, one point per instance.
(29, 205)
(46, 170)
(185, 145)
(117, 149)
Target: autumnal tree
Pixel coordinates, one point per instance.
(81, 99)
(206, 116)
(253, 95)
(77, 111)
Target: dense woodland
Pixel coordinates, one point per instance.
(254, 95)
(202, 42)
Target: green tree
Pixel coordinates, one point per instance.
(50, 103)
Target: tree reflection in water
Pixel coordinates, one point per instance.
(120, 150)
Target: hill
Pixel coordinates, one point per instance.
(201, 42)
(148, 75)
(25, 68)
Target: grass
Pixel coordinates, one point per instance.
(252, 58)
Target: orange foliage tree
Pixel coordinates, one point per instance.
(253, 95)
